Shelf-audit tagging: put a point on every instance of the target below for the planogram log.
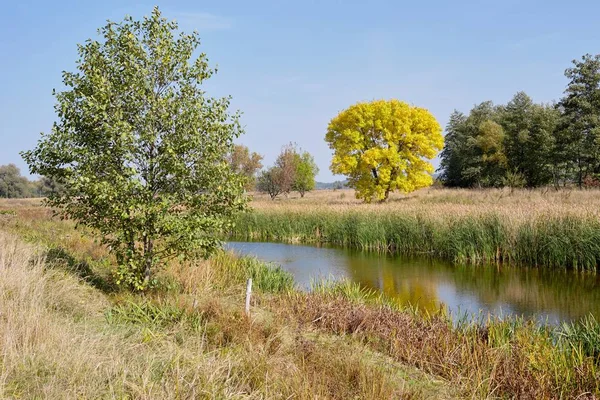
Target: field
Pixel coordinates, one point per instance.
(542, 227)
(69, 332)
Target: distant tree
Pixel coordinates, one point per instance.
(579, 127)
(12, 184)
(490, 146)
(454, 154)
(306, 170)
(538, 167)
(140, 149)
(382, 146)
(45, 187)
(269, 181)
(529, 130)
(474, 129)
(287, 165)
(245, 163)
(516, 119)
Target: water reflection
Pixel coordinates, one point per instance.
(541, 294)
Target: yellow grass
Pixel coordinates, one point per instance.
(443, 202)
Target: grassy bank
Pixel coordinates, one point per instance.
(69, 332)
(549, 229)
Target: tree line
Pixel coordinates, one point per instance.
(13, 185)
(294, 170)
(528, 144)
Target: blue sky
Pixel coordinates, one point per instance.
(292, 66)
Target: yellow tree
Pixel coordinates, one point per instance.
(383, 146)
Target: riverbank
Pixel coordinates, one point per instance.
(68, 331)
(534, 228)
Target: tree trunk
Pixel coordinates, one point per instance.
(148, 254)
(386, 196)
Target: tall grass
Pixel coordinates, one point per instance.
(543, 240)
(60, 337)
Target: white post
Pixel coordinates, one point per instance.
(248, 292)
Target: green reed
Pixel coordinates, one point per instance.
(547, 241)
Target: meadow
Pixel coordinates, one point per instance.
(541, 227)
(69, 332)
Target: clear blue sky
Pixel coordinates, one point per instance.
(293, 65)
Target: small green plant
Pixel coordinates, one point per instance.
(583, 335)
(150, 314)
(513, 180)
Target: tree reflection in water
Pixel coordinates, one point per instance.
(553, 295)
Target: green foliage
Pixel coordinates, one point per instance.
(12, 184)
(529, 143)
(245, 163)
(231, 270)
(491, 140)
(582, 337)
(453, 155)
(474, 154)
(151, 314)
(294, 169)
(140, 150)
(545, 241)
(306, 170)
(514, 179)
(265, 277)
(270, 181)
(579, 130)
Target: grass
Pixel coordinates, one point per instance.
(68, 332)
(535, 228)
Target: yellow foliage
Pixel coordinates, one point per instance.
(382, 146)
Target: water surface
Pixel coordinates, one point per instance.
(545, 295)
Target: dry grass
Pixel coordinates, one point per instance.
(64, 338)
(442, 202)
(66, 332)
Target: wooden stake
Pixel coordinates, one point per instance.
(248, 293)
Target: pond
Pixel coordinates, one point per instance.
(551, 296)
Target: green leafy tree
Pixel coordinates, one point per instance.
(529, 138)
(579, 136)
(475, 162)
(516, 119)
(270, 181)
(140, 149)
(45, 187)
(245, 163)
(538, 168)
(490, 146)
(306, 170)
(454, 153)
(12, 183)
(514, 180)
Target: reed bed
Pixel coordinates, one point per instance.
(547, 229)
